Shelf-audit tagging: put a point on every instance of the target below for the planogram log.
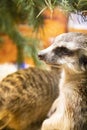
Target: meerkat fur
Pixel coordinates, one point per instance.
(26, 97)
(69, 53)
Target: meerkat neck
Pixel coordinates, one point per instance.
(62, 78)
(70, 77)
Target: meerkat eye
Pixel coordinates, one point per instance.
(62, 51)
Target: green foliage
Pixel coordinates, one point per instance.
(13, 13)
(31, 49)
(73, 5)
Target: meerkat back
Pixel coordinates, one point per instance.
(26, 97)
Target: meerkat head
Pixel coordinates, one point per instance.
(68, 49)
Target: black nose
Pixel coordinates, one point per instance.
(41, 56)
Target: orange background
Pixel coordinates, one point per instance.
(55, 24)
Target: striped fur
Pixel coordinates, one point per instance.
(26, 97)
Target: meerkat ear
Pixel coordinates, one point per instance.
(83, 62)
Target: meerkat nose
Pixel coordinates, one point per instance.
(41, 56)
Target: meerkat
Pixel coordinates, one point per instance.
(26, 97)
(69, 53)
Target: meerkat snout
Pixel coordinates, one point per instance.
(41, 56)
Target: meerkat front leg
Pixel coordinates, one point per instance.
(50, 123)
(53, 108)
(53, 122)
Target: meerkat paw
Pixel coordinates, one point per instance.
(46, 125)
(49, 125)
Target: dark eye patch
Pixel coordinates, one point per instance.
(63, 51)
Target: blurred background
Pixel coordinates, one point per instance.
(27, 26)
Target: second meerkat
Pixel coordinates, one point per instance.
(26, 97)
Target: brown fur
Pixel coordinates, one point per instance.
(26, 97)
